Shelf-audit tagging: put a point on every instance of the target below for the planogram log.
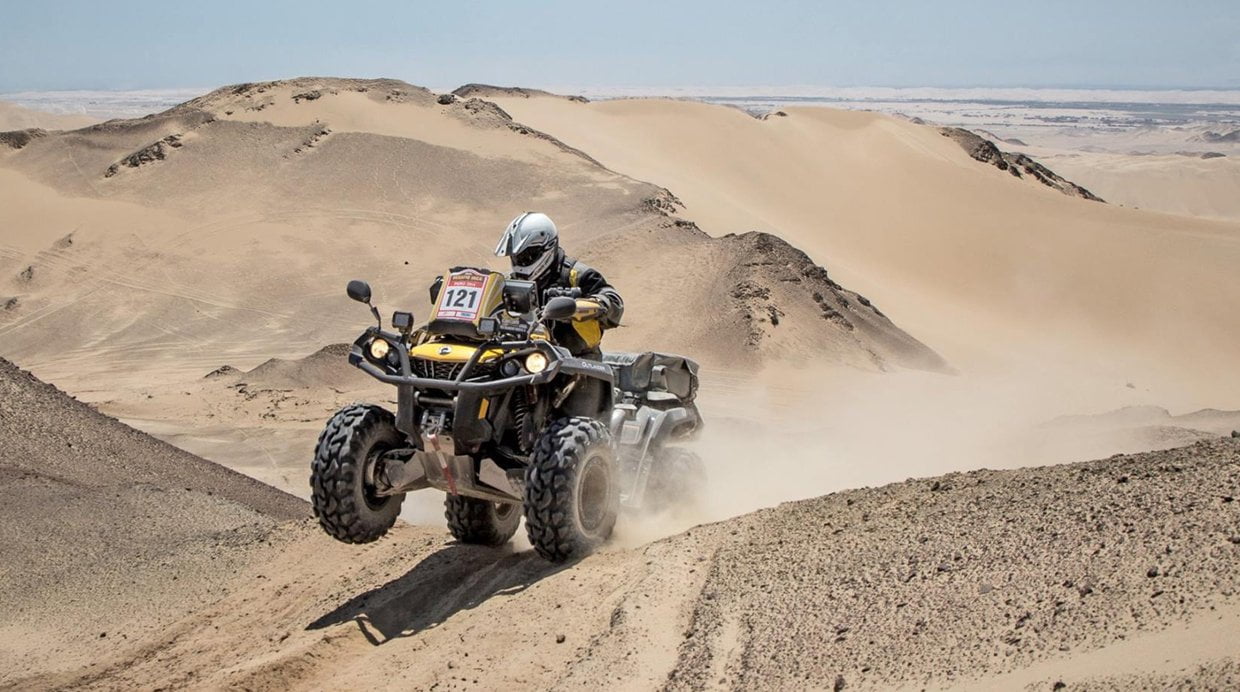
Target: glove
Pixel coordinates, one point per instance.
(556, 292)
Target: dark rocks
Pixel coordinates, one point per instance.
(976, 146)
(1210, 136)
(222, 371)
(16, 139)
(481, 107)
(664, 202)
(491, 91)
(746, 290)
(982, 149)
(312, 95)
(148, 154)
(446, 99)
(313, 139)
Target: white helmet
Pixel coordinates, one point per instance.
(531, 241)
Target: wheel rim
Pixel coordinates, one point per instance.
(504, 510)
(373, 500)
(593, 494)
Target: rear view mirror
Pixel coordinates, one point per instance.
(359, 291)
(560, 308)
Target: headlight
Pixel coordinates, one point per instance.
(535, 362)
(379, 349)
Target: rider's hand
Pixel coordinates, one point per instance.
(556, 292)
(588, 309)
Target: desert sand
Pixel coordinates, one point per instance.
(1115, 573)
(867, 298)
(156, 250)
(1184, 184)
(949, 248)
(14, 117)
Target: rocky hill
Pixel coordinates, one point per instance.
(107, 530)
(270, 184)
(1018, 165)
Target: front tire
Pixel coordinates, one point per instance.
(481, 522)
(344, 501)
(571, 489)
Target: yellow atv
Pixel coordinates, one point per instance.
(504, 421)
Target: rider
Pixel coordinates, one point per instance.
(533, 244)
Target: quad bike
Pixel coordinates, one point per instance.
(506, 422)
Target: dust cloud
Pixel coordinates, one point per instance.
(789, 433)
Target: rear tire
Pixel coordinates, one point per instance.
(571, 489)
(481, 522)
(348, 449)
(676, 479)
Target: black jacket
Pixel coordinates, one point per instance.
(583, 337)
(580, 337)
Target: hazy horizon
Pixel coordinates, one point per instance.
(72, 44)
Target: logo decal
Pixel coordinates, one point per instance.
(445, 350)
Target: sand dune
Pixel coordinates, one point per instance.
(990, 270)
(13, 117)
(198, 577)
(108, 532)
(152, 252)
(1175, 184)
(222, 231)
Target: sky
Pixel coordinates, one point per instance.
(137, 44)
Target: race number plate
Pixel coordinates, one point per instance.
(462, 296)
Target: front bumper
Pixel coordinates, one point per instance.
(463, 396)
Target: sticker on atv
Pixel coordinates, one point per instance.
(462, 296)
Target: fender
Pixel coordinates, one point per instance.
(589, 368)
(653, 426)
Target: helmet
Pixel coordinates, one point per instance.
(531, 242)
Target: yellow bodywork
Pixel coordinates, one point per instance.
(446, 352)
(585, 323)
